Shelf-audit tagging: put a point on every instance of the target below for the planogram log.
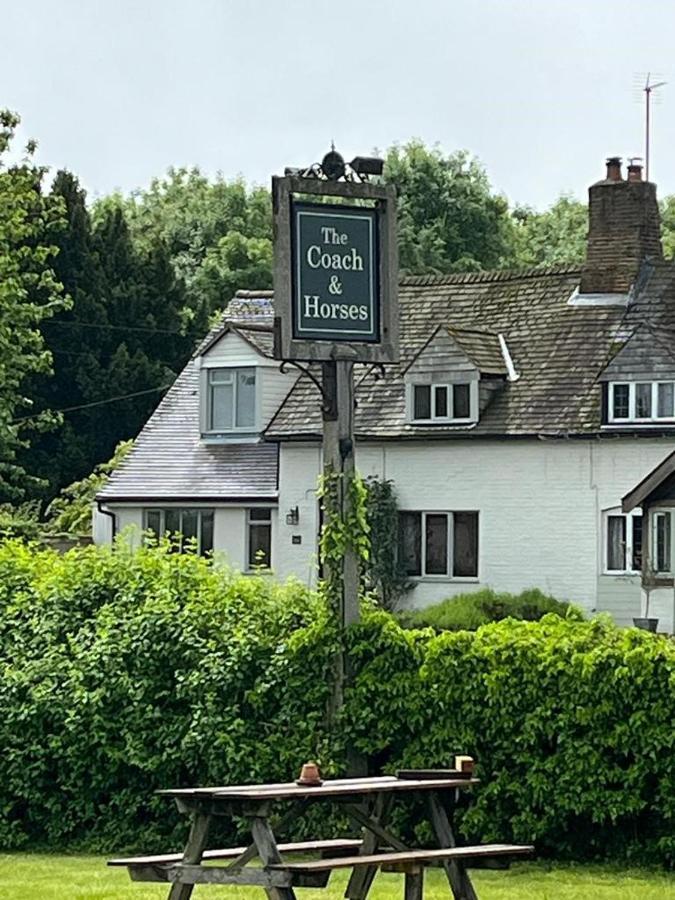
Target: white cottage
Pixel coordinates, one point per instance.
(525, 406)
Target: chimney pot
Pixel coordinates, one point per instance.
(635, 169)
(614, 168)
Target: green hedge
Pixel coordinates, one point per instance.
(470, 611)
(124, 672)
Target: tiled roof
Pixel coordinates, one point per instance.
(169, 460)
(482, 348)
(559, 351)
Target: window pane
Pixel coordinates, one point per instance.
(172, 520)
(260, 515)
(422, 401)
(643, 401)
(153, 521)
(436, 557)
(410, 542)
(259, 544)
(461, 403)
(245, 398)
(636, 525)
(621, 408)
(188, 527)
(441, 408)
(220, 407)
(665, 401)
(616, 543)
(206, 537)
(663, 542)
(465, 544)
(221, 376)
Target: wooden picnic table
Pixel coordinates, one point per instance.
(368, 803)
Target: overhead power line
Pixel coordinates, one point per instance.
(94, 403)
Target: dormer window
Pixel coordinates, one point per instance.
(230, 405)
(641, 401)
(444, 403)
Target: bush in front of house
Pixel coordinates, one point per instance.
(123, 672)
(467, 612)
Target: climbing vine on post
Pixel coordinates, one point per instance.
(385, 575)
(341, 532)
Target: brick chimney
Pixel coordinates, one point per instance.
(623, 230)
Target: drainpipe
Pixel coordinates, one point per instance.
(112, 516)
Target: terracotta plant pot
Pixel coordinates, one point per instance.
(310, 776)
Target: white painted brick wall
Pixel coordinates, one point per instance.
(540, 505)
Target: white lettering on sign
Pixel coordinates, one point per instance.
(314, 309)
(346, 262)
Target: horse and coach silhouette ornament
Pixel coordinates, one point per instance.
(335, 263)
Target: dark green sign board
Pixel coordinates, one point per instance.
(335, 273)
(335, 270)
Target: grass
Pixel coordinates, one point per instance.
(43, 877)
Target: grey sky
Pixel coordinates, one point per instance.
(540, 91)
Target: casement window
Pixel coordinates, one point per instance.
(194, 526)
(439, 543)
(661, 542)
(259, 538)
(443, 403)
(623, 543)
(641, 401)
(230, 400)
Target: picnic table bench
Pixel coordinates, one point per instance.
(367, 802)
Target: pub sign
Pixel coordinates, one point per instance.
(335, 272)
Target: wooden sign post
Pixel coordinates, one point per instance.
(336, 304)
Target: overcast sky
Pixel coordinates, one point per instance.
(541, 91)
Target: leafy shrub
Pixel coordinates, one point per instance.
(470, 611)
(123, 672)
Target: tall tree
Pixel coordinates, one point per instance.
(557, 235)
(29, 294)
(448, 218)
(122, 336)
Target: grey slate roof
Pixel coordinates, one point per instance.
(558, 349)
(169, 460)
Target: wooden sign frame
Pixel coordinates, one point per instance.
(288, 347)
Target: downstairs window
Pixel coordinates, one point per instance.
(439, 543)
(195, 527)
(623, 543)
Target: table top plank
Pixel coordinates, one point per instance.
(335, 788)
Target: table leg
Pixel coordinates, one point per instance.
(458, 877)
(268, 852)
(362, 878)
(192, 855)
(414, 884)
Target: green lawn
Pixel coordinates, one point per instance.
(42, 877)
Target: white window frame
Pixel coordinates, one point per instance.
(449, 550)
(207, 401)
(449, 419)
(162, 510)
(632, 389)
(655, 515)
(257, 522)
(628, 550)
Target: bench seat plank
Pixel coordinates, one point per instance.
(411, 856)
(333, 845)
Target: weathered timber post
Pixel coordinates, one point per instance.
(336, 303)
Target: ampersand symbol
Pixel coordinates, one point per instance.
(335, 286)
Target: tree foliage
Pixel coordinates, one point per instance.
(29, 293)
(555, 236)
(123, 335)
(448, 218)
(385, 574)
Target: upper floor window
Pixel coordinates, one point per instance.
(193, 527)
(230, 400)
(623, 542)
(456, 403)
(439, 543)
(641, 401)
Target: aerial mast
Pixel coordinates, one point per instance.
(648, 89)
